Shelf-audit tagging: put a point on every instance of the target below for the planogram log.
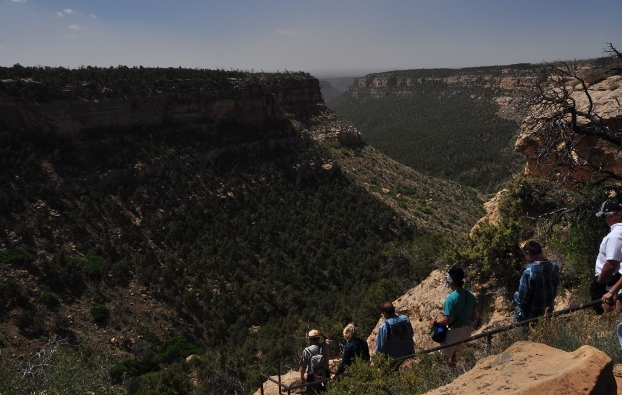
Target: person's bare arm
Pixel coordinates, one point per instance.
(444, 320)
(609, 268)
(609, 296)
(303, 370)
(475, 314)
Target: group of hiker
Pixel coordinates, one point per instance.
(534, 298)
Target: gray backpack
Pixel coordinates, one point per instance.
(318, 364)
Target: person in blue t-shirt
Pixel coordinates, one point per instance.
(395, 335)
(459, 310)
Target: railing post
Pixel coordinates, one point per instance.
(279, 373)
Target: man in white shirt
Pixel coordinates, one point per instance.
(610, 251)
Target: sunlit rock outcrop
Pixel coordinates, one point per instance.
(532, 368)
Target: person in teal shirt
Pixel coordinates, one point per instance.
(459, 310)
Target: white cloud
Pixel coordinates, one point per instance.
(19, 1)
(69, 11)
(94, 17)
(74, 27)
(287, 32)
(59, 14)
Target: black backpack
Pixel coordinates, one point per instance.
(361, 349)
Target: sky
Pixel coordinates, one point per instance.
(318, 36)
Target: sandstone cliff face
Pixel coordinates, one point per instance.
(387, 80)
(587, 153)
(268, 107)
(400, 84)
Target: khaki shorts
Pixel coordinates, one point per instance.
(454, 335)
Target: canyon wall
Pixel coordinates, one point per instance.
(268, 106)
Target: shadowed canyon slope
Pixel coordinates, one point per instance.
(145, 208)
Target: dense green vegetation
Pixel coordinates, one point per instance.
(247, 251)
(445, 131)
(243, 254)
(46, 84)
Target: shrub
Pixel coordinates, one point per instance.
(25, 319)
(49, 300)
(64, 274)
(94, 267)
(129, 367)
(150, 337)
(172, 382)
(176, 348)
(30, 322)
(100, 314)
(20, 255)
(569, 332)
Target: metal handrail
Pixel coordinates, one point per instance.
(283, 386)
(487, 334)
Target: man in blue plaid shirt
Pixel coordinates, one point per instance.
(538, 284)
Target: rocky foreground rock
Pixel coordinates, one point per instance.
(533, 368)
(524, 368)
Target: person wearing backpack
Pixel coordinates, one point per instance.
(355, 348)
(395, 335)
(314, 362)
(459, 310)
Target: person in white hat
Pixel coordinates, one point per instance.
(609, 254)
(314, 362)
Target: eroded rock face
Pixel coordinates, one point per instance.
(532, 368)
(424, 302)
(421, 304)
(506, 81)
(588, 152)
(264, 105)
(492, 217)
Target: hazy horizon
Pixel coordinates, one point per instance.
(321, 37)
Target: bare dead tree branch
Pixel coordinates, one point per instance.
(565, 120)
(616, 55)
(40, 367)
